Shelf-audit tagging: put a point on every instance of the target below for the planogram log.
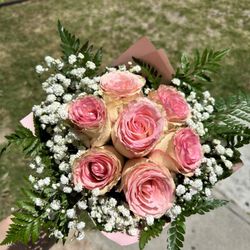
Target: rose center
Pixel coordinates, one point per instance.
(98, 170)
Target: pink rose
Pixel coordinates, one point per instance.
(121, 83)
(175, 105)
(148, 188)
(98, 168)
(138, 128)
(187, 149)
(89, 115)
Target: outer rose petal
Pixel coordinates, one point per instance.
(148, 187)
(138, 128)
(98, 168)
(121, 83)
(116, 105)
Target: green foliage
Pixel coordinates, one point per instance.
(25, 139)
(201, 206)
(198, 69)
(151, 232)
(197, 205)
(234, 110)
(150, 73)
(231, 120)
(26, 223)
(71, 45)
(176, 233)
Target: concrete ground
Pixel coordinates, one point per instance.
(226, 228)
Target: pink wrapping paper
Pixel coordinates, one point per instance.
(121, 239)
(146, 51)
(28, 122)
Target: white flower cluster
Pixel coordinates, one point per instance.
(50, 62)
(56, 87)
(135, 69)
(112, 216)
(91, 85)
(201, 111)
(189, 188)
(201, 108)
(37, 165)
(174, 212)
(215, 166)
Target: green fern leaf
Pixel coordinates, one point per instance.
(198, 69)
(24, 138)
(202, 206)
(235, 110)
(25, 228)
(26, 223)
(149, 72)
(151, 232)
(197, 205)
(71, 45)
(231, 120)
(176, 233)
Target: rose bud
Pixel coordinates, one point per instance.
(148, 188)
(184, 147)
(175, 105)
(98, 168)
(121, 83)
(89, 115)
(120, 88)
(138, 128)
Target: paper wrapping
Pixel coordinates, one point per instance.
(146, 51)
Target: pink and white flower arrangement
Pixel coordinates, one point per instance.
(126, 151)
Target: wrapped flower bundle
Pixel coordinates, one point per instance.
(127, 149)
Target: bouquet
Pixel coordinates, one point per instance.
(126, 149)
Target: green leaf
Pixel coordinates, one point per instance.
(197, 205)
(234, 110)
(24, 138)
(198, 69)
(202, 206)
(98, 57)
(71, 45)
(25, 228)
(4, 148)
(151, 232)
(149, 72)
(26, 223)
(231, 119)
(176, 233)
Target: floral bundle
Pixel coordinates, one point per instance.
(128, 150)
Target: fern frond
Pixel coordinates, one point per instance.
(151, 232)
(26, 222)
(71, 45)
(202, 206)
(176, 233)
(24, 228)
(198, 69)
(152, 76)
(24, 138)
